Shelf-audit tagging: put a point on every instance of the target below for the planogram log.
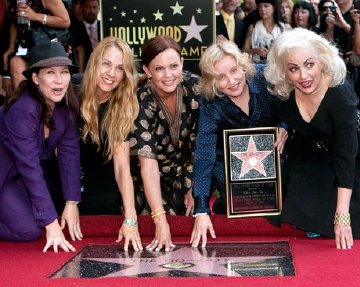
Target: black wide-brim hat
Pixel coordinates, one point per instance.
(48, 55)
(272, 2)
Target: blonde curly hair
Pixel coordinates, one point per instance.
(299, 38)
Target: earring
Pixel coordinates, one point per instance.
(148, 80)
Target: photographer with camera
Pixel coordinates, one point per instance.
(340, 24)
(354, 56)
(355, 14)
(334, 25)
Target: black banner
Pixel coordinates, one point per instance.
(191, 23)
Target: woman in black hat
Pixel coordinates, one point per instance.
(36, 125)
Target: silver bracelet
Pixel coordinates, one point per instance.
(71, 202)
(201, 213)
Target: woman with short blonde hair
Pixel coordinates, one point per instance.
(235, 96)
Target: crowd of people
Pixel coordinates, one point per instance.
(150, 142)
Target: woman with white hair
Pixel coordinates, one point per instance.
(323, 184)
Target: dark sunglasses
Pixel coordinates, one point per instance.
(331, 8)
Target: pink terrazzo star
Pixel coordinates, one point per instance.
(252, 158)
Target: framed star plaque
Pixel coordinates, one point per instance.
(252, 172)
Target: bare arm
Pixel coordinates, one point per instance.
(247, 44)
(355, 14)
(80, 56)
(58, 17)
(151, 178)
(343, 232)
(129, 229)
(11, 48)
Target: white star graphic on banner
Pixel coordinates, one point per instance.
(177, 8)
(193, 30)
(142, 20)
(123, 14)
(252, 158)
(158, 15)
(198, 10)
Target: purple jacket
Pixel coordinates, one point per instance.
(22, 146)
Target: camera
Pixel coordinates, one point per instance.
(333, 10)
(356, 5)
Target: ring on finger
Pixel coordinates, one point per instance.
(156, 241)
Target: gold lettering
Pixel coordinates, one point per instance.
(194, 51)
(184, 52)
(138, 35)
(151, 32)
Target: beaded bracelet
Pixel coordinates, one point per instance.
(342, 218)
(131, 221)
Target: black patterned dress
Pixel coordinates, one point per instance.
(169, 141)
(323, 154)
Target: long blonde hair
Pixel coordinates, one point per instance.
(123, 105)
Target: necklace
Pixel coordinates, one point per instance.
(321, 85)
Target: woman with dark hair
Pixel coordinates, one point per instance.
(303, 16)
(165, 134)
(266, 29)
(36, 125)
